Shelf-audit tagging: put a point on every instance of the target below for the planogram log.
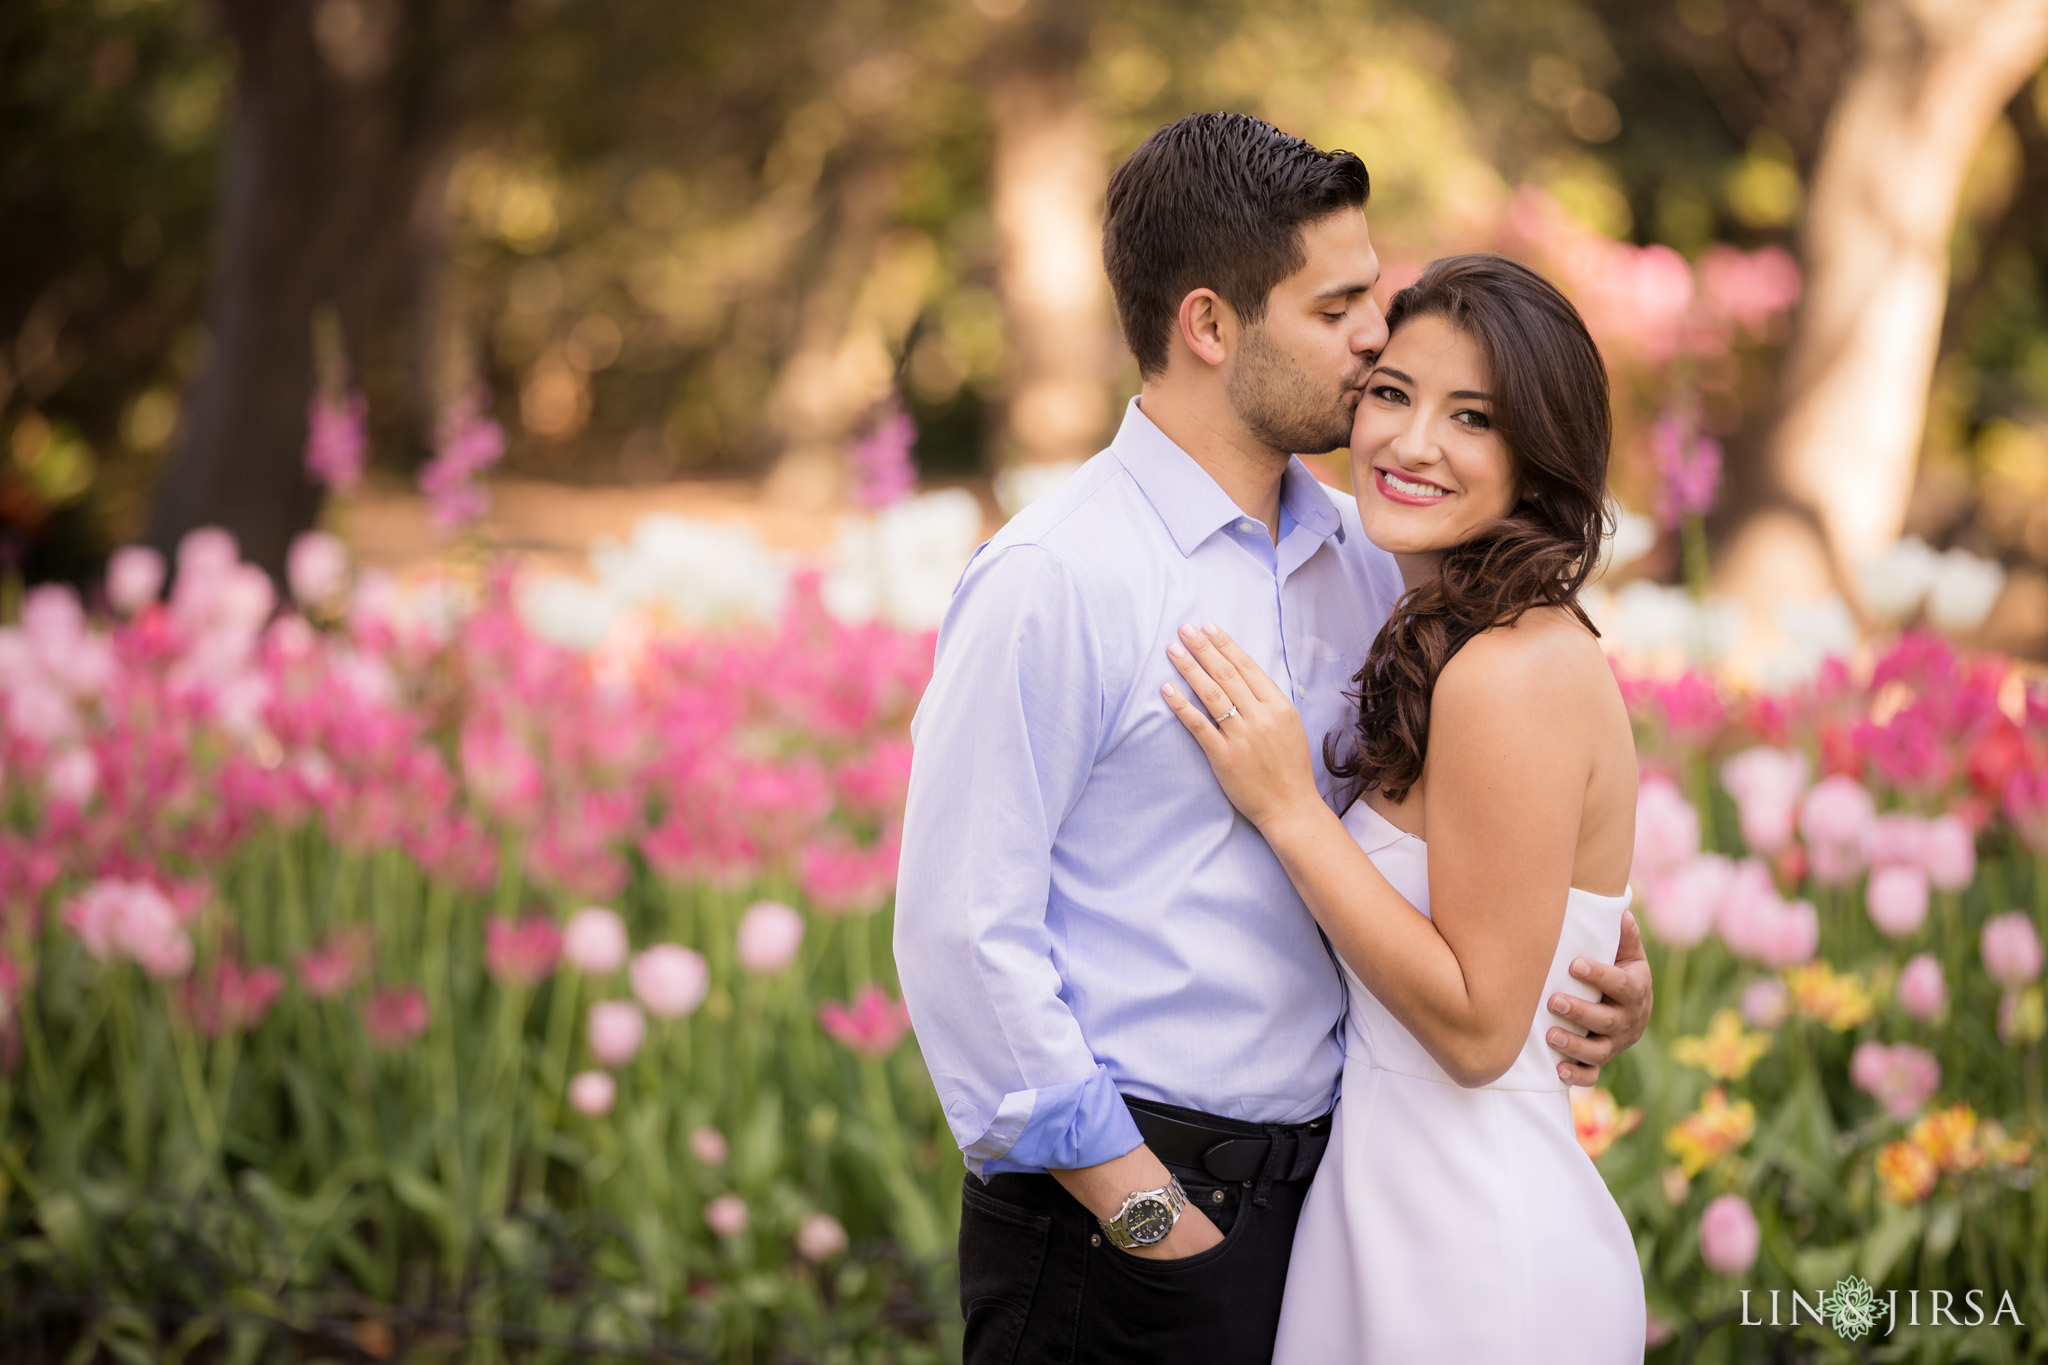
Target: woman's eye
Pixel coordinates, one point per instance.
(1387, 393)
(1333, 317)
(1475, 420)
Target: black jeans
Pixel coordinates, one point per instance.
(1039, 1284)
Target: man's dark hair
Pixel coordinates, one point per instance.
(1214, 201)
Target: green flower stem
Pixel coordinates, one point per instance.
(127, 1073)
(919, 1225)
(441, 1041)
(564, 990)
(204, 1123)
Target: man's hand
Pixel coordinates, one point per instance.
(1102, 1190)
(1616, 1020)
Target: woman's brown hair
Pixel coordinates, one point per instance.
(1550, 406)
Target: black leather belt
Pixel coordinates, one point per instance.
(1228, 1150)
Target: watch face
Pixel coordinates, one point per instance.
(1149, 1220)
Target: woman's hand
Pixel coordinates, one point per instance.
(1250, 733)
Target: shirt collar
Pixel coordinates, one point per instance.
(1191, 503)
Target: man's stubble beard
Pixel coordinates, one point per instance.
(1281, 405)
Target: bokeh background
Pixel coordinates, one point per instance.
(478, 482)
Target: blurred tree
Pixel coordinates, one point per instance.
(108, 113)
(1928, 81)
(342, 110)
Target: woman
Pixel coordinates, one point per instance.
(1455, 1216)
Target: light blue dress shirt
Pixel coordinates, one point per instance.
(1080, 914)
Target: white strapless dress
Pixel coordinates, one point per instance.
(1448, 1224)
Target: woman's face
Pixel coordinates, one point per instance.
(1429, 469)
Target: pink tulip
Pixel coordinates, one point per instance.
(1839, 821)
(1683, 904)
(1766, 785)
(522, 953)
(1899, 840)
(332, 969)
(726, 1215)
(1729, 1235)
(616, 1030)
(1900, 1078)
(316, 567)
(592, 1093)
(1667, 828)
(670, 980)
(117, 919)
(708, 1146)
(72, 778)
(2026, 804)
(1759, 926)
(2011, 949)
(820, 1238)
(1766, 1003)
(229, 998)
(1897, 899)
(337, 442)
(395, 1017)
(1923, 989)
(769, 936)
(135, 575)
(594, 941)
(1949, 853)
(872, 1027)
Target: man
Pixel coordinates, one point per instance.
(1131, 1019)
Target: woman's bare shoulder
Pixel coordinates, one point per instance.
(1547, 655)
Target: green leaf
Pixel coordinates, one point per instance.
(1943, 1228)
(1896, 1231)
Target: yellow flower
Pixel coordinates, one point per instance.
(2022, 1018)
(1600, 1120)
(1999, 1149)
(1949, 1137)
(1726, 1052)
(1841, 1001)
(1717, 1128)
(1905, 1172)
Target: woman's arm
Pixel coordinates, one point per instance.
(1509, 760)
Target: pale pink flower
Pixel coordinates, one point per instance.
(1667, 828)
(1897, 899)
(594, 941)
(770, 934)
(1766, 1003)
(1900, 1078)
(1683, 904)
(1839, 821)
(726, 1215)
(1758, 925)
(820, 1238)
(1948, 852)
(499, 770)
(2026, 805)
(707, 1144)
(592, 1093)
(1923, 988)
(331, 969)
(883, 473)
(842, 878)
(1766, 785)
(118, 919)
(467, 442)
(316, 567)
(72, 778)
(872, 1026)
(395, 1017)
(522, 953)
(616, 1031)
(1729, 1235)
(135, 575)
(337, 440)
(1899, 839)
(670, 980)
(1689, 466)
(2011, 949)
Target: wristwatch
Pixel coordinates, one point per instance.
(1147, 1216)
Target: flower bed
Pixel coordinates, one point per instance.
(386, 976)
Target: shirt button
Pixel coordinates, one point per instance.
(1300, 691)
(1244, 526)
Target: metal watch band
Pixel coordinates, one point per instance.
(1117, 1229)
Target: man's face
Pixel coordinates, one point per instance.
(1297, 375)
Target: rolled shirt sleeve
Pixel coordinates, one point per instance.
(1004, 740)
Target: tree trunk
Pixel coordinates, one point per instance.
(1929, 79)
(1050, 171)
(342, 108)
